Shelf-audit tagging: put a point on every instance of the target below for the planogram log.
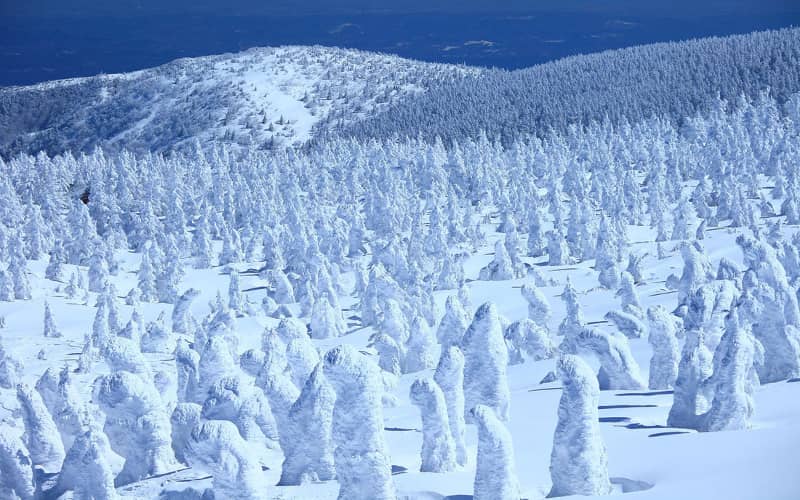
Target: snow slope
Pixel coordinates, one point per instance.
(664, 463)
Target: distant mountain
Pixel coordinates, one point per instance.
(260, 98)
(273, 98)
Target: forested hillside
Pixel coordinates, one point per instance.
(666, 79)
(259, 99)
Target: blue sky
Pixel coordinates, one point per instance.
(51, 39)
(250, 7)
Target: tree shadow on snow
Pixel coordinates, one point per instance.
(620, 407)
(648, 393)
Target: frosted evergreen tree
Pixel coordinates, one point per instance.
(301, 357)
(449, 375)
(215, 363)
(64, 404)
(453, 324)
(578, 462)
(421, 347)
(390, 355)
(282, 289)
(18, 267)
(734, 379)
(557, 249)
(362, 463)
(526, 337)
(438, 448)
(464, 298)
(41, 435)
(10, 368)
(123, 354)
(394, 323)
(536, 238)
(217, 447)
(137, 426)
(629, 325)
(666, 351)
(635, 267)
(281, 394)
(629, 297)
(495, 472)
(309, 455)
(694, 369)
(538, 305)
(486, 359)
(55, 266)
(618, 367)
(251, 361)
(16, 481)
(501, 268)
(236, 400)
(98, 272)
(778, 317)
(6, 286)
(184, 418)
(606, 255)
(202, 248)
(326, 322)
(109, 296)
(451, 275)
(37, 235)
(147, 276)
(684, 217)
(50, 327)
(100, 329)
(231, 247)
(182, 320)
(236, 298)
(169, 274)
(86, 472)
(697, 271)
(82, 234)
(572, 324)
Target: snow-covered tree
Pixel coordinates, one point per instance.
(326, 322)
(41, 436)
(734, 379)
(421, 347)
(86, 471)
(449, 375)
(362, 463)
(618, 367)
(61, 398)
(777, 314)
(578, 462)
(16, 481)
(666, 351)
(495, 472)
(538, 305)
(137, 425)
(184, 418)
(486, 359)
(572, 324)
(438, 448)
(182, 320)
(308, 449)
(50, 327)
(453, 324)
(98, 272)
(694, 369)
(525, 336)
(216, 446)
(502, 267)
